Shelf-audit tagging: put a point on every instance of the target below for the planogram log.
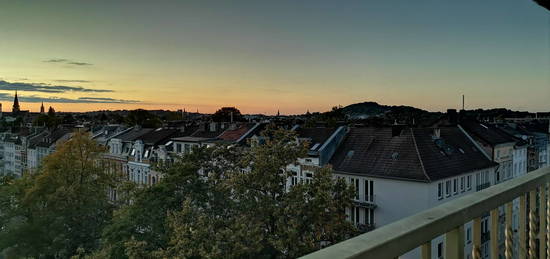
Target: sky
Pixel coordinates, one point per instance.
(262, 56)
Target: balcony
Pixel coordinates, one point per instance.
(448, 219)
(363, 228)
(368, 203)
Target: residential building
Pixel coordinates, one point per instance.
(399, 171)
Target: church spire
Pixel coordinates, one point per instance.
(16, 107)
(42, 108)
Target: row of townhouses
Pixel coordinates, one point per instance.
(24, 151)
(397, 170)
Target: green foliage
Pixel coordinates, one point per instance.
(60, 209)
(250, 213)
(143, 118)
(145, 219)
(220, 202)
(49, 120)
(225, 113)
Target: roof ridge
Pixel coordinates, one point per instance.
(419, 157)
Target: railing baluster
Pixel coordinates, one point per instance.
(476, 253)
(454, 243)
(532, 223)
(494, 233)
(508, 231)
(427, 250)
(542, 220)
(522, 226)
(548, 220)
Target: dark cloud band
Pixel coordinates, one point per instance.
(37, 99)
(67, 61)
(45, 88)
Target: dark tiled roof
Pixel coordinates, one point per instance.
(207, 133)
(236, 134)
(486, 133)
(133, 134)
(451, 155)
(411, 155)
(315, 135)
(158, 136)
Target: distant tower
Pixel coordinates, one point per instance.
(42, 108)
(278, 113)
(16, 107)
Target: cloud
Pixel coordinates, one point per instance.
(79, 63)
(46, 88)
(67, 61)
(105, 100)
(38, 99)
(56, 60)
(72, 81)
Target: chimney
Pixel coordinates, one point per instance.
(213, 126)
(437, 133)
(453, 116)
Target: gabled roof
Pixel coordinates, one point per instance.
(134, 134)
(412, 154)
(487, 133)
(317, 136)
(236, 134)
(200, 133)
(158, 136)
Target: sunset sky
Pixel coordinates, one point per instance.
(263, 56)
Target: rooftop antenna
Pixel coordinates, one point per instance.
(463, 102)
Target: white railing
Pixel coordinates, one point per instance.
(417, 231)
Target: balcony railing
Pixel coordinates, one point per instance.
(368, 203)
(448, 219)
(482, 186)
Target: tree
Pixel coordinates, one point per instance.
(249, 212)
(143, 223)
(143, 118)
(63, 207)
(227, 114)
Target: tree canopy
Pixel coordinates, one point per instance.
(222, 201)
(227, 114)
(60, 209)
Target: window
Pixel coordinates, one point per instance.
(462, 184)
(367, 190)
(178, 147)
(455, 186)
(440, 191)
(357, 213)
(371, 217)
(356, 188)
(371, 190)
(440, 250)
(469, 182)
(448, 188)
(468, 235)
